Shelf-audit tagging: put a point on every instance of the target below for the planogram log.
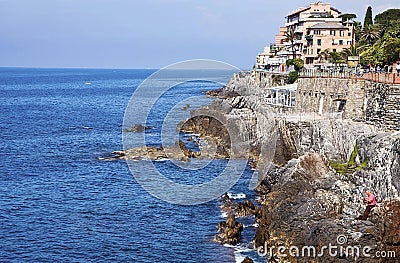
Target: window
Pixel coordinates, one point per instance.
(340, 42)
(317, 32)
(341, 33)
(334, 50)
(319, 42)
(318, 50)
(349, 43)
(349, 34)
(333, 33)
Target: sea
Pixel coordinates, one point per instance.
(64, 199)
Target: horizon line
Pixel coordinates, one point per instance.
(30, 67)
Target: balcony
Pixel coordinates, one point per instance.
(291, 23)
(299, 29)
(309, 37)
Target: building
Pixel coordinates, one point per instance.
(316, 28)
(323, 36)
(270, 60)
(280, 38)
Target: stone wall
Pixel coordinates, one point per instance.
(359, 100)
(382, 105)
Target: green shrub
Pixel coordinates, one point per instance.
(292, 77)
(297, 63)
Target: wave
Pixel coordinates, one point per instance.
(241, 251)
(224, 215)
(252, 225)
(80, 127)
(237, 196)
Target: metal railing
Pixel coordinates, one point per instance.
(387, 78)
(381, 77)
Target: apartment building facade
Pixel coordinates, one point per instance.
(317, 28)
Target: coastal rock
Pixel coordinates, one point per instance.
(246, 208)
(175, 152)
(222, 93)
(227, 206)
(387, 220)
(301, 204)
(213, 133)
(137, 128)
(230, 231)
(311, 205)
(304, 201)
(247, 260)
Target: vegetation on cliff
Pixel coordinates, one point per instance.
(376, 43)
(298, 65)
(379, 43)
(351, 166)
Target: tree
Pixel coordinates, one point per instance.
(392, 47)
(335, 58)
(369, 34)
(386, 50)
(324, 55)
(368, 17)
(291, 38)
(387, 19)
(350, 51)
(298, 63)
(357, 30)
(292, 77)
(390, 16)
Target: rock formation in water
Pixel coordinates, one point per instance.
(247, 260)
(137, 128)
(179, 151)
(230, 231)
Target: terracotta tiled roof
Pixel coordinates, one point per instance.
(328, 25)
(298, 11)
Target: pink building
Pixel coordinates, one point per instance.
(317, 27)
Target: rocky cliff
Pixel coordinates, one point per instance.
(305, 202)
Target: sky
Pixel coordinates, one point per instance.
(146, 33)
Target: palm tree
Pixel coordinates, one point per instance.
(351, 51)
(369, 34)
(335, 58)
(324, 55)
(291, 38)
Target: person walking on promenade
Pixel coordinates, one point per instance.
(370, 200)
(398, 68)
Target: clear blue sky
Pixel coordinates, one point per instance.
(146, 33)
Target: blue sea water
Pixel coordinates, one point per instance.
(61, 201)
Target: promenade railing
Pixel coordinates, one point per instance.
(381, 77)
